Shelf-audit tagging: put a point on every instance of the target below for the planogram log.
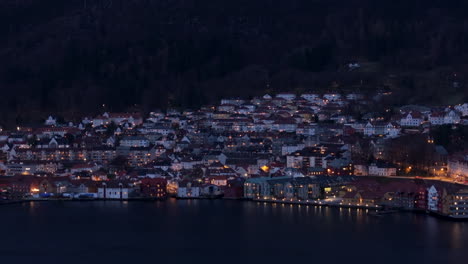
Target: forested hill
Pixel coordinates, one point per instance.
(73, 56)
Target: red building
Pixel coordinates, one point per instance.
(154, 188)
(22, 185)
(3, 190)
(420, 201)
(234, 189)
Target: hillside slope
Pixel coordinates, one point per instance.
(76, 56)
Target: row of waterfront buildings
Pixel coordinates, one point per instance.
(443, 198)
(286, 146)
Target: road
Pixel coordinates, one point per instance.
(430, 178)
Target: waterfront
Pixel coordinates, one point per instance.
(218, 231)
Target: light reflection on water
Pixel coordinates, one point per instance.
(252, 229)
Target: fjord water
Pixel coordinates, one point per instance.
(211, 231)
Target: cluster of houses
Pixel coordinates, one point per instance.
(441, 198)
(299, 144)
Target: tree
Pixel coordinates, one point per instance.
(110, 128)
(119, 161)
(70, 138)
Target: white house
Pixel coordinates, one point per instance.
(50, 121)
(3, 136)
(310, 96)
(353, 66)
(159, 128)
(287, 149)
(4, 147)
(246, 108)
(110, 142)
(188, 190)
(392, 129)
(232, 101)
(135, 141)
(286, 96)
(58, 143)
(306, 130)
(433, 198)
(306, 158)
(86, 121)
(114, 190)
(388, 129)
(332, 96)
(436, 118)
(451, 117)
(354, 96)
(293, 173)
(286, 125)
(411, 119)
(226, 108)
(381, 169)
(117, 118)
(369, 129)
(188, 164)
(462, 108)
(101, 120)
(120, 118)
(49, 132)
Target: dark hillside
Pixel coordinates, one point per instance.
(75, 56)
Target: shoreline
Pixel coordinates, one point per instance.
(372, 210)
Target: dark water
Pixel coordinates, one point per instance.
(222, 231)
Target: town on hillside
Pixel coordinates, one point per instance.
(322, 149)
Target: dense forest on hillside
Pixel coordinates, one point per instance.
(84, 56)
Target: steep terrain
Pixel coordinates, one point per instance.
(80, 56)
